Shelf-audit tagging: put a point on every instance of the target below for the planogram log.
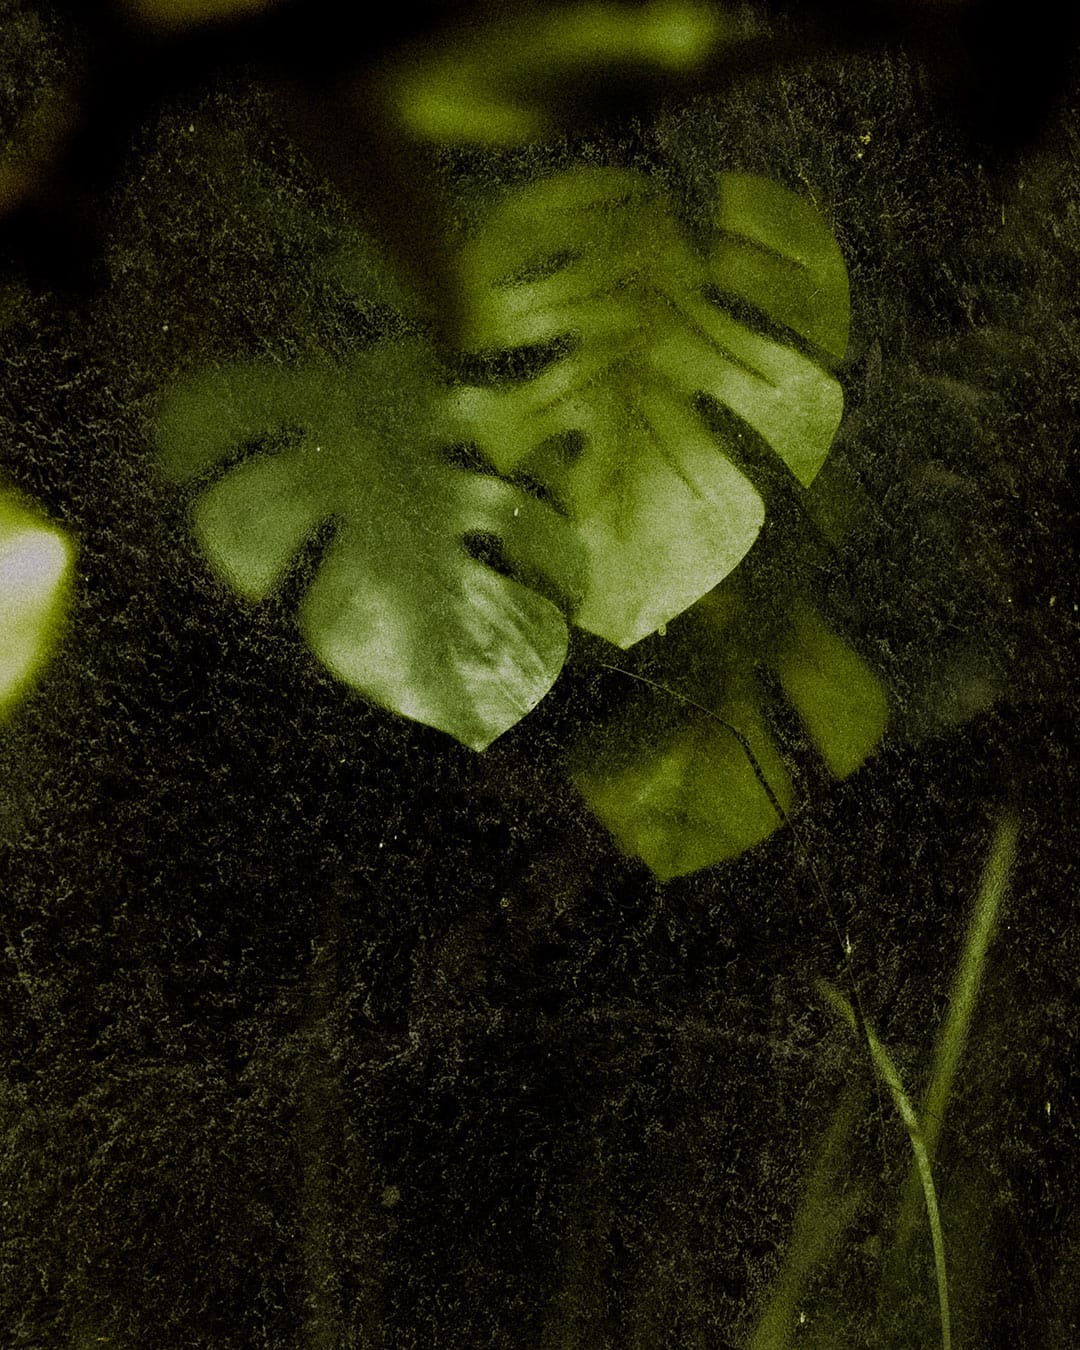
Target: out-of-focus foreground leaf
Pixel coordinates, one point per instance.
(401, 607)
(591, 264)
(517, 77)
(35, 570)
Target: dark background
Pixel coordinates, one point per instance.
(319, 1029)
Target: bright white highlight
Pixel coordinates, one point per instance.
(33, 565)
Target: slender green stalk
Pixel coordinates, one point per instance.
(953, 1037)
(887, 1070)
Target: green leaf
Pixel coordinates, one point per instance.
(399, 608)
(690, 796)
(517, 78)
(840, 701)
(595, 261)
(678, 778)
(36, 561)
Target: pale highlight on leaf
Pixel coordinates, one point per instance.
(398, 607)
(594, 260)
(35, 570)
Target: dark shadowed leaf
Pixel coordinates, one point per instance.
(690, 797)
(676, 786)
(173, 16)
(400, 607)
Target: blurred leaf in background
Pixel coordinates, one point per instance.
(520, 76)
(173, 16)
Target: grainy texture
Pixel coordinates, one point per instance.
(317, 1029)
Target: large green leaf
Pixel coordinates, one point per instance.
(400, 607)
(35, 571)
(594, 260)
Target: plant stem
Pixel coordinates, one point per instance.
(887, 1070)
(957, 1025)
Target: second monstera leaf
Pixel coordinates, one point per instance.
(592, 266)
(428, 599)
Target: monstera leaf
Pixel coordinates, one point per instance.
(35, 569)
(592, 266)
(428, 599)
(685, 785)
